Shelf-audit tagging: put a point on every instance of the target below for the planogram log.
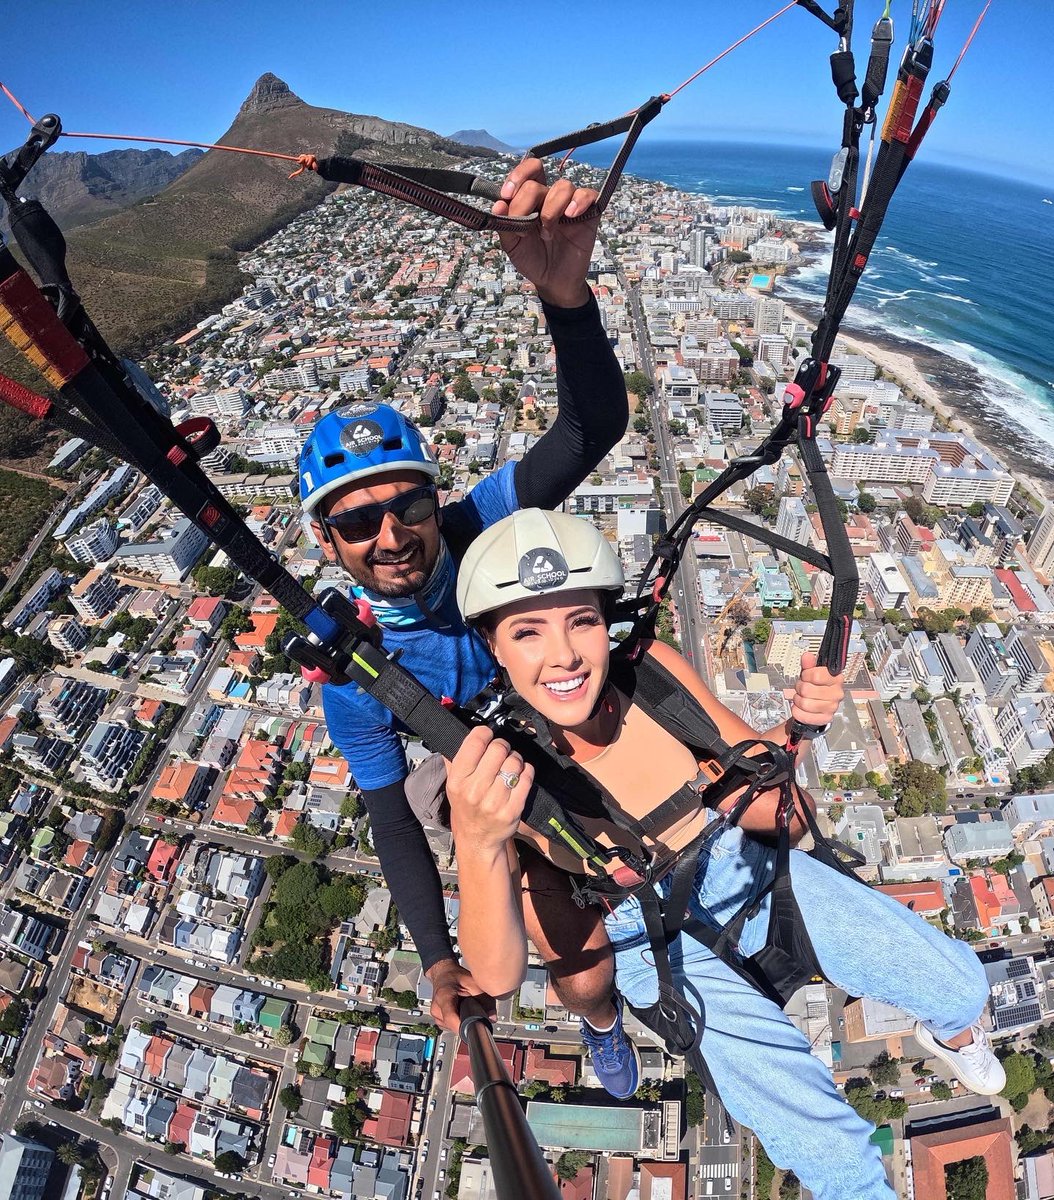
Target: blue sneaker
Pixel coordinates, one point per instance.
(615, 1059)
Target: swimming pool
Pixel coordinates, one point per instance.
(760, 281)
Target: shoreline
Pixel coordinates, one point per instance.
(951, 389)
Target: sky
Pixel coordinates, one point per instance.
(524, 72)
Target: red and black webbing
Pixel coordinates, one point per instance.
(436, 190)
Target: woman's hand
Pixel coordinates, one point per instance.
(554, 257)
(818, 694)
(487, 785)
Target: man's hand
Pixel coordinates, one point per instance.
(552, 256)
(450, 981)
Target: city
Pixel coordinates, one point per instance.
(204, 986)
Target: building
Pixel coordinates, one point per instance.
(24, 1167)
(95, 596)
(47, 585)
(868, 1020)
(1030, 818)
(883, 579)
(789, 640)
(863, 828)
(1040, 548)
(168, 560)
(978, 839)
(109, 753)
(94, 544)
(936, 1145)
(792, 521)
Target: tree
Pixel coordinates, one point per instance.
(455, 437)
(571, 1162)
(230, 1162)
(638, 383)
(790, 1186)
(758, 498)
(939, 1090)
(69, 1154)
(967, 1179)
(307, 839)
(216, 581)
(463, 389)
(685, 482)
(283, 1035)
(911, 804)
(347, 1121)
(1020, 1075)
(290, 1097)
(978, 615)
(175, 1147)
(534, 1089)
(866, 502)
(885, 1070)
(694, 1108)
(277, 865)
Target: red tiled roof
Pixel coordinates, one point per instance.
(263, 626)
(931, 1153)
(285, 824)
(654, 1177)
(322, 1154)
(919, 897)
(204, 608)
(75, 855)
(391, 1126)
(161, 865)
(461, 1076)
(366, 1047)
(181, 1124)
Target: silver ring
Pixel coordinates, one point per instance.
(509, 778)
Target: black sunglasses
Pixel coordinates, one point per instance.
(364, 523)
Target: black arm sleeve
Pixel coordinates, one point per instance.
(593, 409)
(409, 871)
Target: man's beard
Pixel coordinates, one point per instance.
(394, 589)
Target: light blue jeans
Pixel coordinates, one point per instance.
(867, 943)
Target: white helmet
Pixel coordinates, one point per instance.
(534, 553)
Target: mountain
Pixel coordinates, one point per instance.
(155, 267)
(77, 187)
(480, 137)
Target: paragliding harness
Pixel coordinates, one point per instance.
(97, 400)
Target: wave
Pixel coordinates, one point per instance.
(795, 189)
(1020, 400)
(895, 250)
(953, 279)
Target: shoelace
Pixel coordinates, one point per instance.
(601, 1043)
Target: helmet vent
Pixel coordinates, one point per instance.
(333, 460)
(394, 443)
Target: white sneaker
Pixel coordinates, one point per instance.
(974, 1065)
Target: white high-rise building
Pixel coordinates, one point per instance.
(769, 316)
(792, 521)
(1040, 548)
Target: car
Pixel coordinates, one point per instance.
(279, 987)
(161, 953)
(726, 1137)
(442, 1156)
(435, 1194)
(424, 1147)
(432, 1104)
(349, 1003)
(439, 1064)
(39, 1104)
(533, 1028)
(442, 1175)
(260, 1045)
(149, 1010)
(213, 967)
(919, 1082)
(551, 1029)
(271, 1160)
(728, 1183)
(202, 1028)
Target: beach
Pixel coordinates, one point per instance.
(953, 390)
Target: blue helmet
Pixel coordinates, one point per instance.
(355, 442)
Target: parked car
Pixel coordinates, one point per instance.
(39, 1104)
(203, 1029)
(432, 1104)
(416, 1012)
(260, 1045)
(271, 1160)
(533, 1028)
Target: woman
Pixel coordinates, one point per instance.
(547, 630)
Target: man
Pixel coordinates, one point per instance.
(367, 483)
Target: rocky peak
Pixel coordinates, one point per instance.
(269, 92)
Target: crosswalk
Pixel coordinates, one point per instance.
(718, 1170)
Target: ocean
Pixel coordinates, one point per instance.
(963, 263)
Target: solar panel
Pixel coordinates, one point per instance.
(1017, 968)
(1016, 1015)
